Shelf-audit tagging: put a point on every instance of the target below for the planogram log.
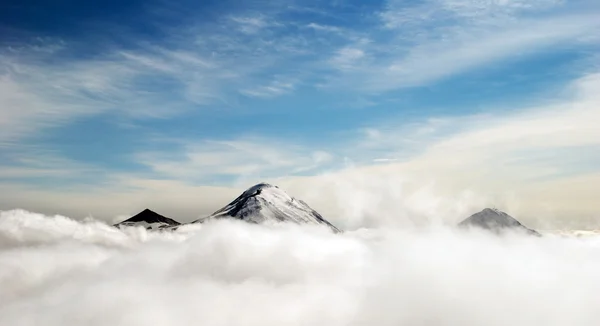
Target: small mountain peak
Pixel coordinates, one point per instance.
(494, 219)
(148, 216)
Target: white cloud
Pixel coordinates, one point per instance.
(36, 96)
(246, 158)
(347, 58)
(441, 13)
(197, 66)
(429, 62)
(273, 89)
(471, 8)
(235, 273)
(23, 162)
(429, 41)
(41, 89)
(444, 52)
(250, 24)
(325, 28)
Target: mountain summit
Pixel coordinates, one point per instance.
(495, 220)
(149, 220)
(265, 203)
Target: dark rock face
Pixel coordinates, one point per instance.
(496, 221)
(150, 220)
(265, 203)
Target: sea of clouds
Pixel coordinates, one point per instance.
(55, 271)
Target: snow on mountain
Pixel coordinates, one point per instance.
(149, 220)
(495, 220)
(265, 203)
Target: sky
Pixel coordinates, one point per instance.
(375, 113)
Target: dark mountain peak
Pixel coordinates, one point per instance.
(266, 203)
(148, 219)
(495, 220)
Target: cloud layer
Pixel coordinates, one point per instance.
(56, 270)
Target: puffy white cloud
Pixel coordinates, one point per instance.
(55, 271)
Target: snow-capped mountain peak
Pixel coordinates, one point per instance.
(266, 203)
(495, 220)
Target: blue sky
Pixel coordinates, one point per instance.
(218, 93)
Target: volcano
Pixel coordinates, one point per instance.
(150, 220)
(495, 220)
(267, 204)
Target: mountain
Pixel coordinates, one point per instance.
(495, 220)
(265, 203)
(149, 220)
